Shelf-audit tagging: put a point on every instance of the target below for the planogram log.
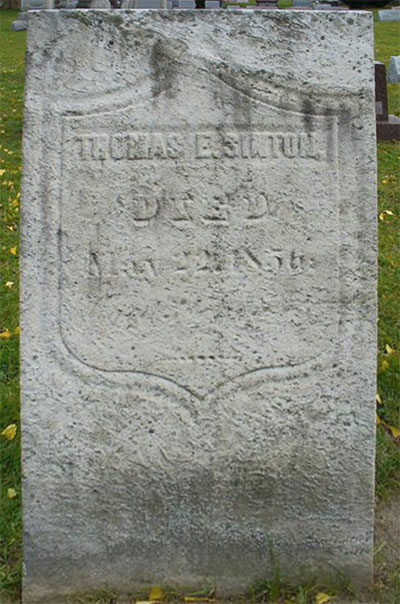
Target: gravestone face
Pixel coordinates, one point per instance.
(387, 126)
(381, 101)
(185, 4)
(302, 3)
(198, 300)
(393, 75)
(389, 15)
(100, 4)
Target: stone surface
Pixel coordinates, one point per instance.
(387, 126)
(19, 25)
(100, 4)
(393, 74)
(389, 15)
(381, 101)
(198, 299)
(187, 4)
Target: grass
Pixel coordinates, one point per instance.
(11, 101)
(387, 43)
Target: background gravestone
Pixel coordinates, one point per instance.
(389, 15)
(387, 126)
(393, 74)
(198, 299)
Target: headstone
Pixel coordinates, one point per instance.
(387, 126)
(268, 4)
(187, 4)
(389, 15)
(393, 74)
(100, 4)
(151, 4)
(39, 4)
(302, 3)
(198, 300)
(21, 22)
(328, 6)
(212, 4)
(331, 7)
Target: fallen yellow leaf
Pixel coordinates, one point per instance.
(395, 431)
(322, 598)
(384, 365)
(9, 284)
(11, 493)
(2, 172)
(385, 181)
(4, 334)
(13, 250)
(156, 593)
(389, 349)
(378, 398)
(9, 432)
(17, 331)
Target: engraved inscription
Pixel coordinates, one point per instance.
(110, 267)
(204, 260)
(202, 145)
(221, 209)
(250, 145)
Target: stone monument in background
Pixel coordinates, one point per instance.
(387, 125)
(198, 300)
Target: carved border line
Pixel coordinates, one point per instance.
(273, 373)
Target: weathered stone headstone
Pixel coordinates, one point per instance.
(302, 4)
(389, 15)
(393, 74)
(20, 23)
(387, 126)
(198, 300)
(187, 4)
(100, 4)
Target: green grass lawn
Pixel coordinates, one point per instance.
(11, 98)
(12, 45)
